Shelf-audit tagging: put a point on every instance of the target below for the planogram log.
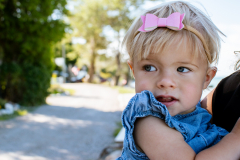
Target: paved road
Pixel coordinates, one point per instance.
(69, 128)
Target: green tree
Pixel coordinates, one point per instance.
(71, 54)
(121, 13)
(88, 20)
(28, 30)
(91, 17)
(74, 54)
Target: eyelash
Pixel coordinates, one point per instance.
(183, 68)
(144, 68)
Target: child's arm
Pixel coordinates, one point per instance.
(158, 141)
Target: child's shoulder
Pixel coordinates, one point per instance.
(142, 105)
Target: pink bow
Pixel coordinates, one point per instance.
(151, 22)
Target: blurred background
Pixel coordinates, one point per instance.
(58, 56)
(79, 41)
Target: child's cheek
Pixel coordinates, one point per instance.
(142, 85)
(192, 92)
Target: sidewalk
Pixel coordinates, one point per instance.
(75, 127)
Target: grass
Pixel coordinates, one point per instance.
(21, 112)
(117, 130)
(56, 88)
(123, 90)
(71, 91)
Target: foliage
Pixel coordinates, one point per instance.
(57, 89)
(118, 129)
(237, 65)
(71, 54)
(21, 112)
(123, 90)
(114, 14)
(2, 103)
(15, 114)
(120, 15)
(27, 34)
(88, 23)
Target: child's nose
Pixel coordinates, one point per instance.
(166, 81)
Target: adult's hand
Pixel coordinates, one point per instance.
(227, 148)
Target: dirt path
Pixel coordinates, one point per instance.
(69, 128)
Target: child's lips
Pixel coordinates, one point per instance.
(167, 100)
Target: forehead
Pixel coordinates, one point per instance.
(162, 39)
(173, 57)
(174, 54)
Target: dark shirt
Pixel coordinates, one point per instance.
(226, 102)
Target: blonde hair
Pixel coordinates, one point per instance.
(237, 65)
(140, 44)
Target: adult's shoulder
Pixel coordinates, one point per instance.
(230, 82)
(226, 101)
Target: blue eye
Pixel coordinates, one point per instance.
(182, 69)
(149, 68)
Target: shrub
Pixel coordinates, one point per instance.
(27, 35)
(2, 103)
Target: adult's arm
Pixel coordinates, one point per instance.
(227, 148)
(207, 102)
(224, 102)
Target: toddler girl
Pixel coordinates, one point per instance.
(171, 49)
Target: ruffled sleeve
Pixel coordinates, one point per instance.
(141, 105)
(194, 126)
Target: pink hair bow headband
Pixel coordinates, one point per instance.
(174, 22)
(151, 22)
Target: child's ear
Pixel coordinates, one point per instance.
(130, 64)
(211, 72)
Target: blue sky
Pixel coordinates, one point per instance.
(226, 15)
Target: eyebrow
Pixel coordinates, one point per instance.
(146, 59)
(188, 63)
(183, 62)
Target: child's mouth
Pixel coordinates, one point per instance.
(166, 100)
(163, 99)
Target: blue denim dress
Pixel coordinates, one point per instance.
(195, 127)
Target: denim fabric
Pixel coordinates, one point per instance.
(195, 127)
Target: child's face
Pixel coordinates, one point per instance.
(175, 78)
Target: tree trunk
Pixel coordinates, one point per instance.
(93, 58)
(118, 59)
